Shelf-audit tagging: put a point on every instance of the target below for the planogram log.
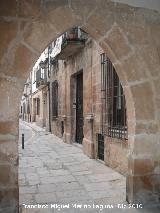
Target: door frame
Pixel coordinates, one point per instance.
(73, 86)
(77, 130)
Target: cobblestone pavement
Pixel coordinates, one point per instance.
(52, 172)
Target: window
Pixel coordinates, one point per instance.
(34, 72)
(38, 106)
(113, 119)
(50, 47)
(54, 100)
(42, 73)
(24, 108)
(54, 64)
(28, 107)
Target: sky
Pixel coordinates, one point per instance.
(150, 4)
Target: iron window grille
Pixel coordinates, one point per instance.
(113, 113)
(54, 100)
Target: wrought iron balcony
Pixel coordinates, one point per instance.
(41, 78)
(72, 42)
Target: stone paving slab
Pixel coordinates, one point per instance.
(52, 172)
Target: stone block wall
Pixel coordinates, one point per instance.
(88, 61)
(130, 38)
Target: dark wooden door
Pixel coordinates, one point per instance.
(101, 147)
(79, 109)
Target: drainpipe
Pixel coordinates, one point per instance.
(49, 94)
(49, 107)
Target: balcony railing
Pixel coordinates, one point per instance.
(72, 42)
(41, 78)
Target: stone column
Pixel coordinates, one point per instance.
(88, 145)
(9, 112)
(143, 180)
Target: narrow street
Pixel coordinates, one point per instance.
(51, 171)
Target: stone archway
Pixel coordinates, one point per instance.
(129, 36)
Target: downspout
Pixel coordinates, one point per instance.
(49, 107)
(49, 96)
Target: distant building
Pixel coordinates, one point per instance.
(26, 101)
(39, 91)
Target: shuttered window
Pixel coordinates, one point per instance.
(54, 100)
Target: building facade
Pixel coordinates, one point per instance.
(77, 95)
(26, 101)
(87, 102)
(39, 91)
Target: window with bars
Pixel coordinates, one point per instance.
(54, 100)
(113, 112)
